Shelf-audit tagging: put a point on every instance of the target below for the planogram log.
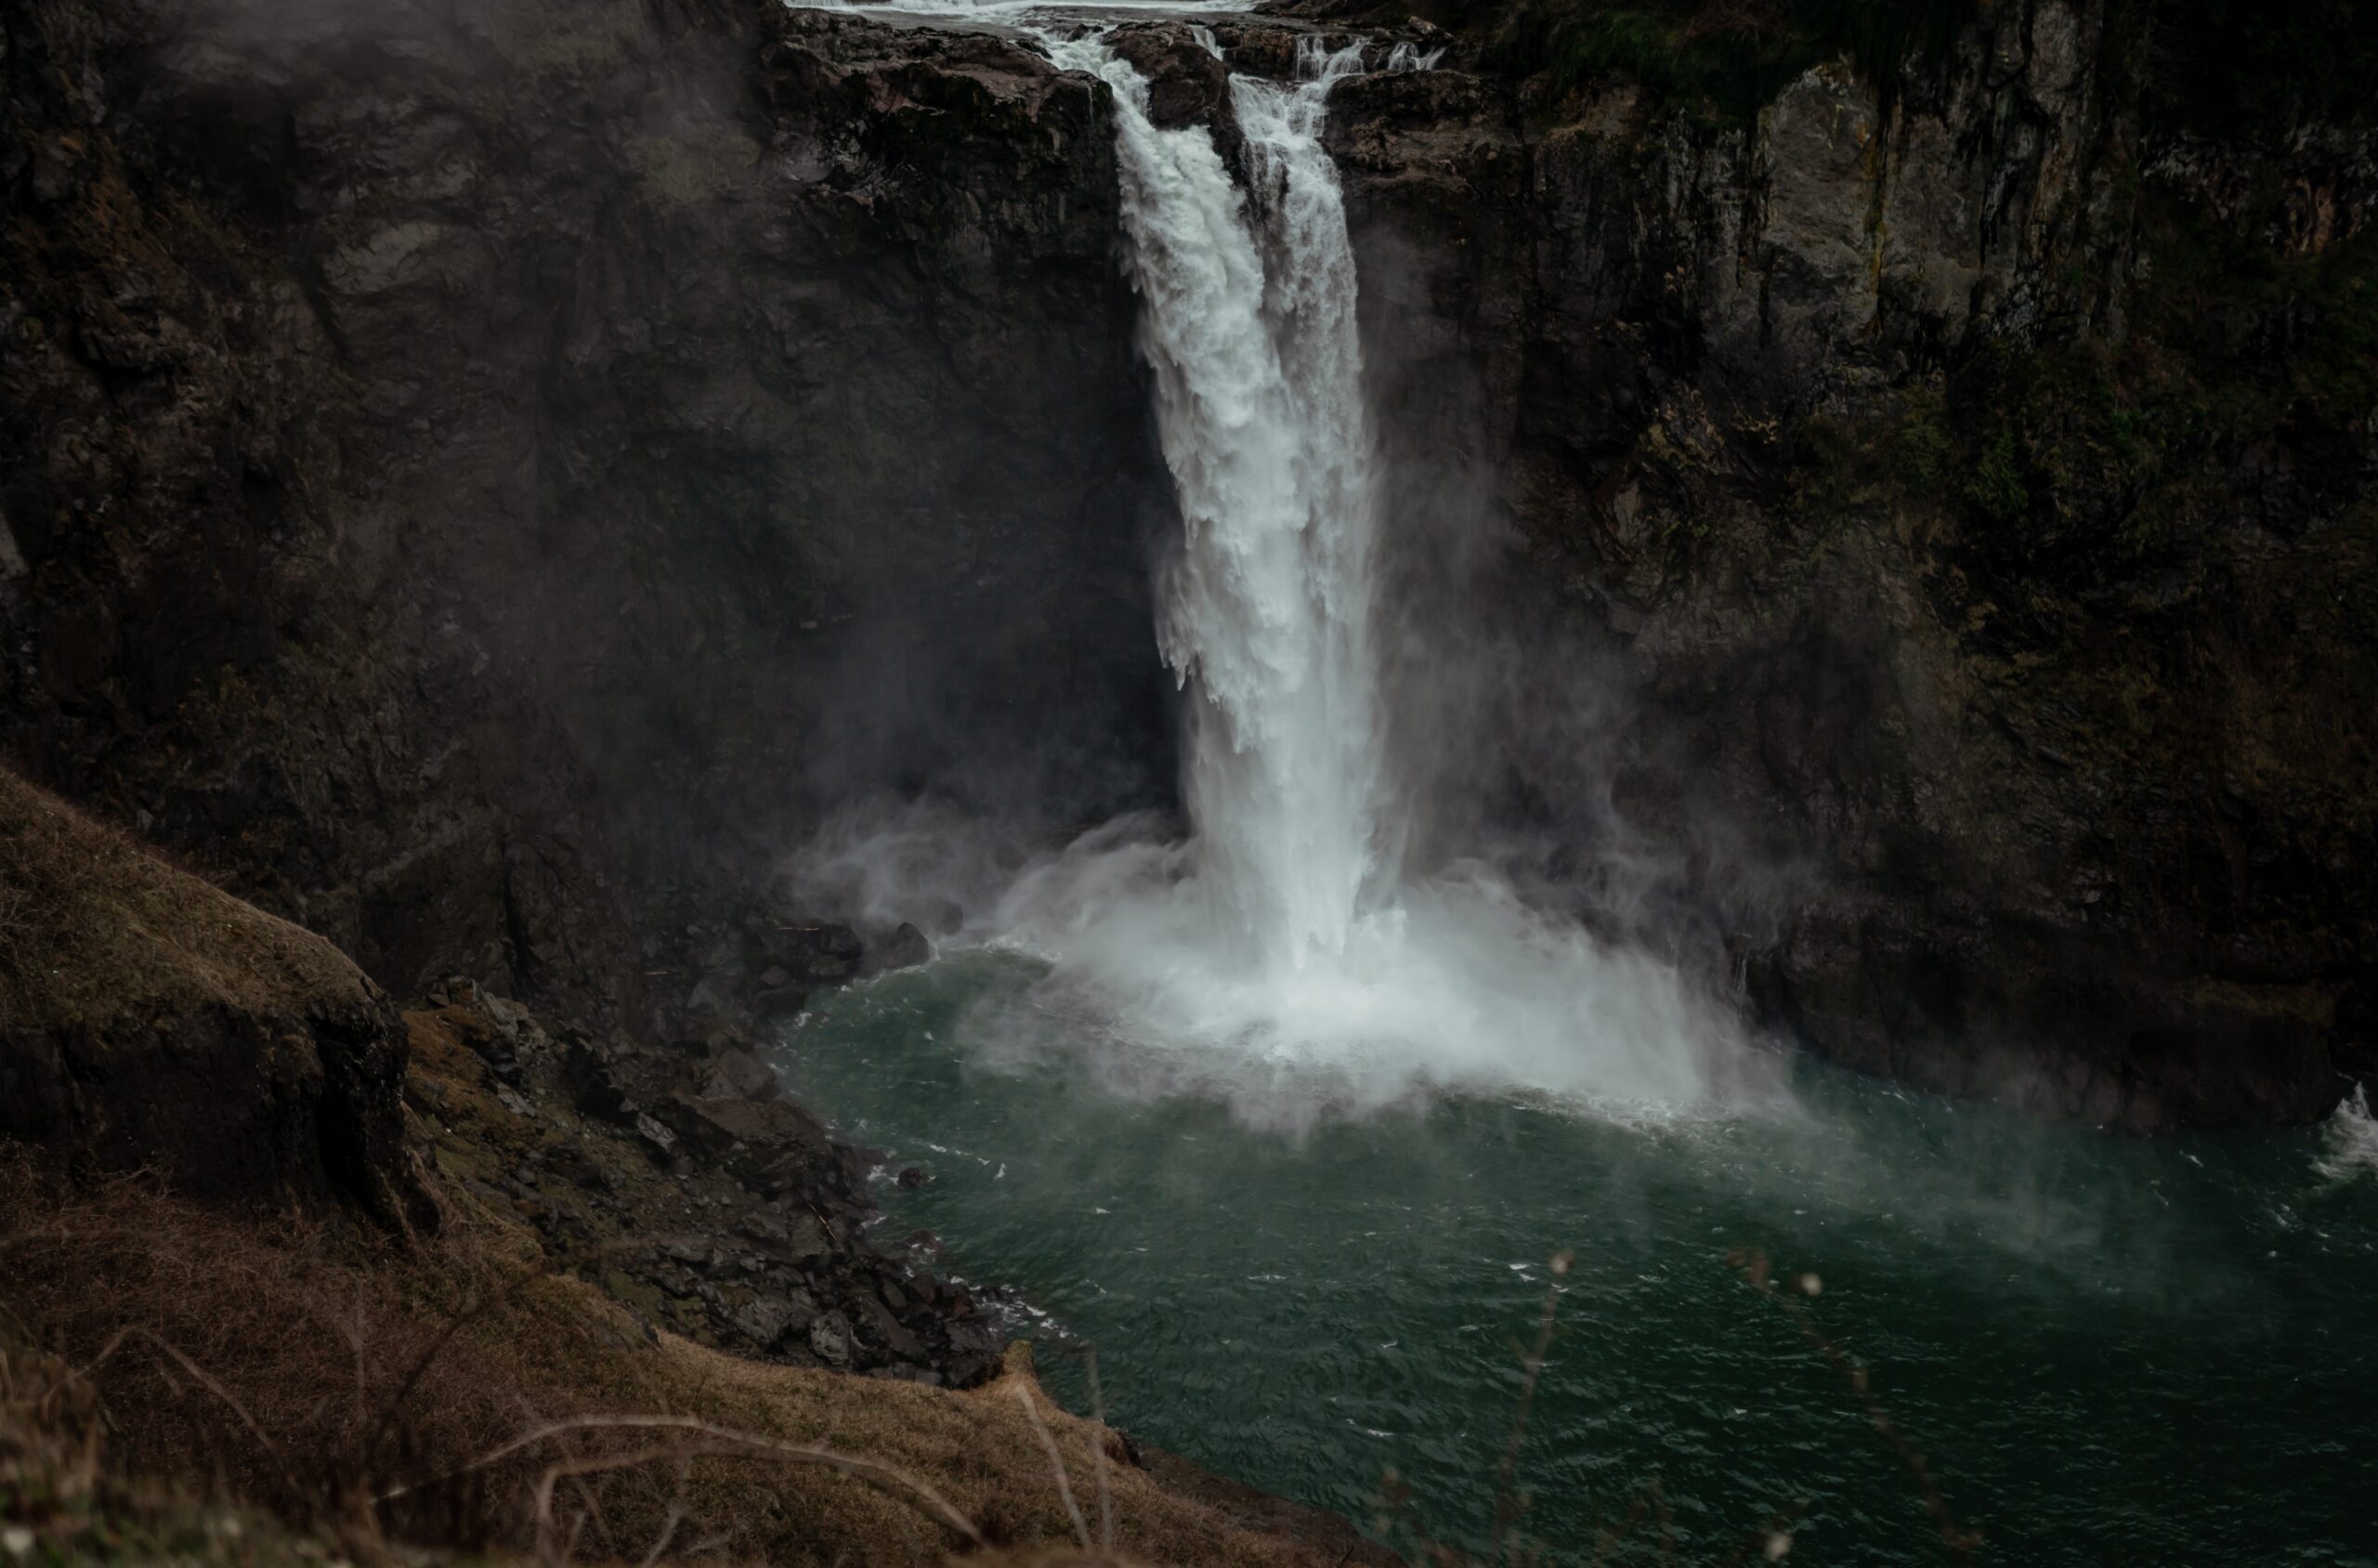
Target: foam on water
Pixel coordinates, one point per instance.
(2350, 1141)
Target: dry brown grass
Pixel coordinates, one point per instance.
(54, 1485)
(94, 927)
(439, 1392)
(302, 1348)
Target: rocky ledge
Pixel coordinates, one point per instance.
(690, 1188)
(150, 1022)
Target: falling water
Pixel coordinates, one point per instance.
(1282, 933)
(1411, 57)
(1249, 321)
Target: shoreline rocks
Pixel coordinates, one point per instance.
(757, 1216)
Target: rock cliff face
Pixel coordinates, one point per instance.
(486, 479)
(469, 474)
(1972, 492)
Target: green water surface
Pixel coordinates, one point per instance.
(2111, 1351)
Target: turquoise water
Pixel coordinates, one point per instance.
(2111, 1351)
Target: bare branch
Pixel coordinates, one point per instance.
(1506, 1504)
(1057, 1463)
(196, 1373)
(1754, 1268)
(712, 1441)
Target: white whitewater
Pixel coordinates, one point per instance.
(1281, 936)
(1266, 619)
(2351, 1139)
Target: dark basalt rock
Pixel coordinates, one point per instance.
(598, 1082)
(1982, 788)
(737, 1073)
(400, 518)
(762, 1212)
(795, 952)
(906, 948)
(1188, 84)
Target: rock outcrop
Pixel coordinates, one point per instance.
(149, 1021)
(690, 1187)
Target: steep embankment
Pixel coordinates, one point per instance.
(1957, 493)
(478, 475)
(562, 1238)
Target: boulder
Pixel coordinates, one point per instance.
(829, 1338)
(888, 1329)
(767, 1319)
(771, 1146)
(905, 949)
(784, 954)
(1188, 84)
(738, 1073)
(658, 1140)
(597, 1076)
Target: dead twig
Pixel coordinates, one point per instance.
(470, 1313)
(1772, 1540)
(1057, 1463)
(705, 1440)
(196, 1373)
(1507, 1501)
(1752, 1264)
(677, 1514)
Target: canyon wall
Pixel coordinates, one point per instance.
(478, 479)
(1958, 494)
(483, 481)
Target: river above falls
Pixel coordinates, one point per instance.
(2111, 1350)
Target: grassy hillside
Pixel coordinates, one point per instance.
(177, 1375)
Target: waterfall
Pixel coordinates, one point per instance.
(1249, 320)
(1280, 945)
(1282, 954)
